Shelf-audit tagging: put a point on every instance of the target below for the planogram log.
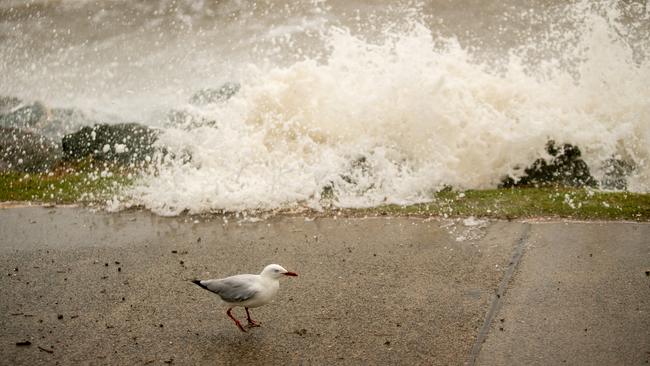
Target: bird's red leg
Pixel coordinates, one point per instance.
(235, 320)
(251, 322)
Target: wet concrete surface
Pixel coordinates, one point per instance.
(577, 299)
(101, 288)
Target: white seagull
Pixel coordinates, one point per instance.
(247, 290)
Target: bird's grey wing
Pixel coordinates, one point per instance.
(232, 289)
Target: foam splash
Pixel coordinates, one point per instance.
(393, 121)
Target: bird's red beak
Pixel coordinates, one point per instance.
(293, 274)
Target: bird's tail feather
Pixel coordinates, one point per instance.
(198, 283)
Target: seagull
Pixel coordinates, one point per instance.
(247, 290)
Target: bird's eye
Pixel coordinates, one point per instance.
(276, 270)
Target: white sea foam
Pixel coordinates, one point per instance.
(391, 121)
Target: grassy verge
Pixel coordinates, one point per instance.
(511, 203)
(70, 184)
(85, 183)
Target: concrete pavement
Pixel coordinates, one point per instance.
(581, 297)
(100, 288)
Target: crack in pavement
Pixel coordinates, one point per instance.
(497, 299)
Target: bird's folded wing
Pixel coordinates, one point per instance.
(233, 289)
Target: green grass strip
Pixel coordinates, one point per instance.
(76, 187)
(511, 203)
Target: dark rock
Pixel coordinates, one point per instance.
(616, 173)
(328, 192)
(565, 168)
(62, 121)
(186, 119)
(36, 117)
(189, 118)
(212, 95)
(26, 151)
(15, 113)
(122, 142)
(359, 167)
(7, 104)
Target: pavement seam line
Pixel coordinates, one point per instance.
(497, 299)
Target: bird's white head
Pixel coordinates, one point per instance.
(276, 271)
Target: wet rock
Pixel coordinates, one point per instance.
(36, 117)
(565, 167)
(616, 173)
(18, 114)
(212, 95)
(122, 142)
(328, 192)
(191, 117)
(26, 151)
(62, 121)
(8, 103)
(187, 119)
